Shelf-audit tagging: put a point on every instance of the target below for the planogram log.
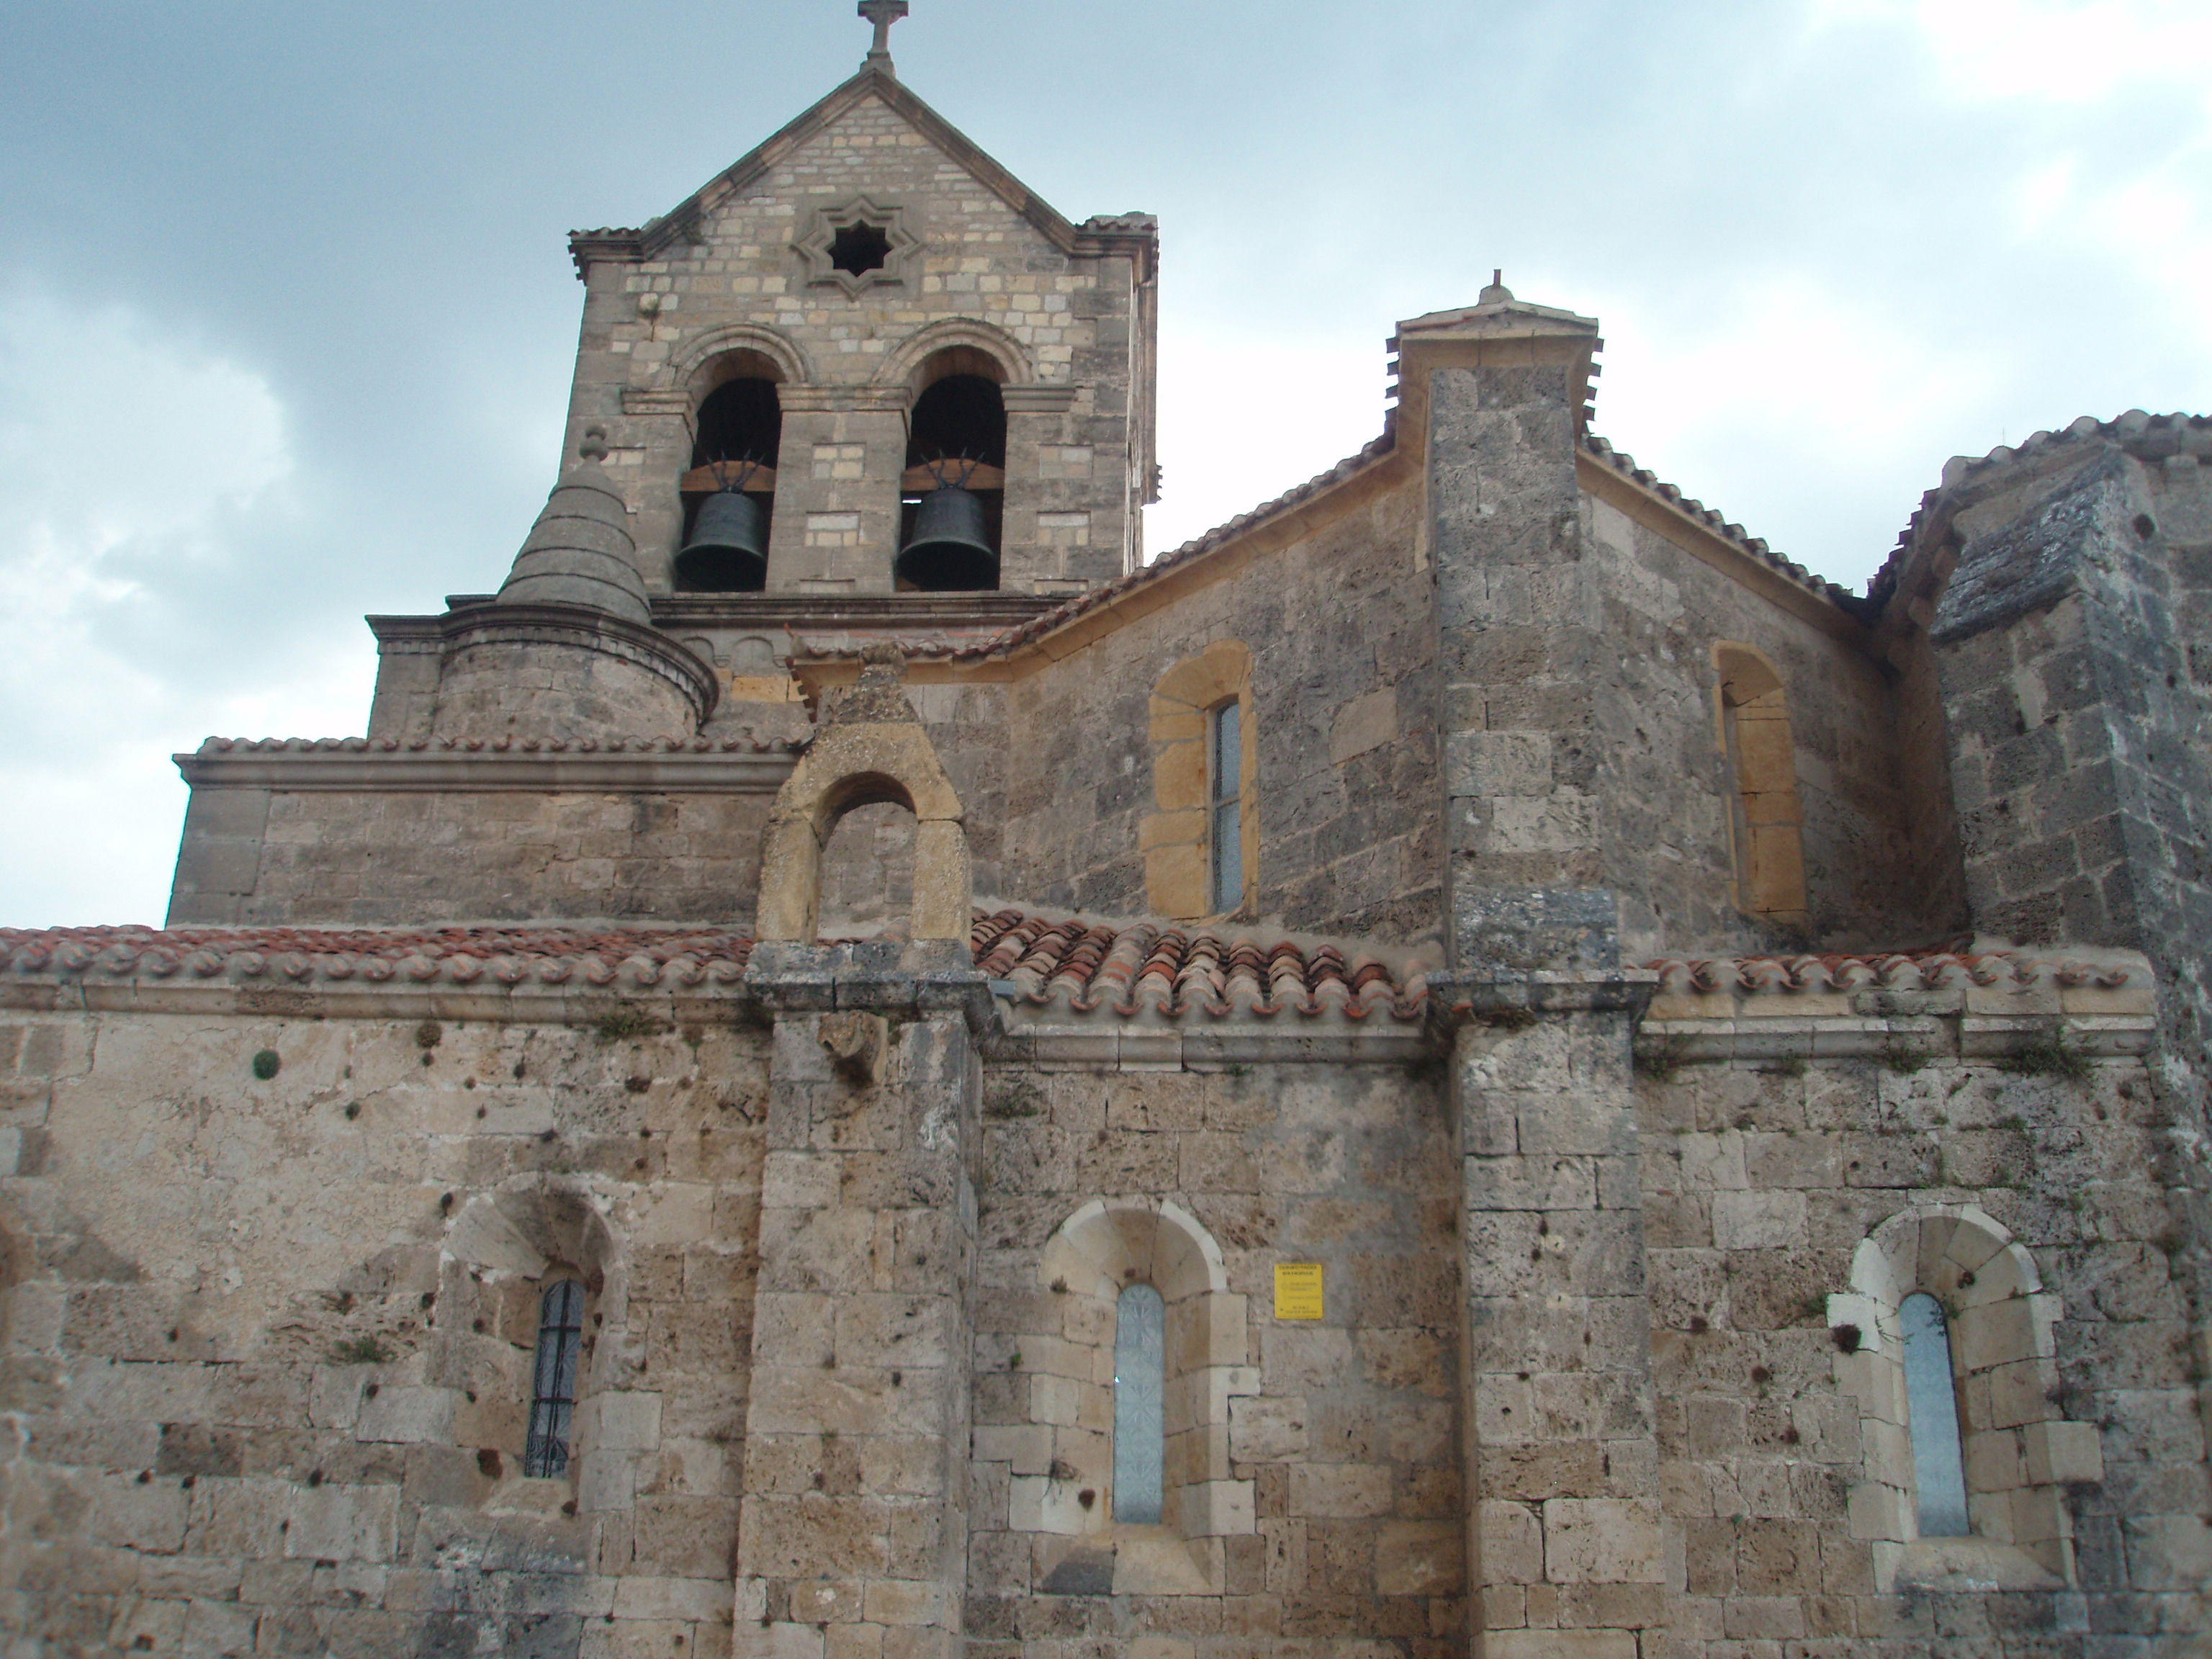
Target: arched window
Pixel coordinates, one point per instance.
(1765, 824)
(952, 501)
(1202, 840)
(553, 1378)
(1939, 1467)
(869, 747)
(1947, 1339)
(729, 493)
(1130, 1372)
(740, 420)
(1140, 1385)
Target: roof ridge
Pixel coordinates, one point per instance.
(2133, 425)
(657, 233)
(1624, 464)
(1038, 626)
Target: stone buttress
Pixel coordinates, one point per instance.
(854, 1529)
(1558, 1412)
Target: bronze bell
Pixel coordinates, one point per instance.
(728, 549)
(950, 551)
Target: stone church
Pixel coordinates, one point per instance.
(1474, 1063)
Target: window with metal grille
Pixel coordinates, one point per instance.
(1225, 832)
(1140, 1390)
(553, 1387)
(1931, 1400)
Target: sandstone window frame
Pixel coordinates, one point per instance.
(870, 748)
(1101, 1250)
(727, 351)
(2018, 1452)
(1177, 836)
(1765, 818)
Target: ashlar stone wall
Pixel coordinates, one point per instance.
(1340, 625)
(1334, 1520)
(1075, 329)
(1762, 1182)
(382, 857)
(1668, 786)
(267, 1341)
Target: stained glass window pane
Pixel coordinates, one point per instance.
(1139, 1380)
(1931, 1398)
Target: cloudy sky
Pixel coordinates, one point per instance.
(286, 311)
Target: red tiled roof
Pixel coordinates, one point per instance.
(1128, 968)
(1917, 970)
(461, 955)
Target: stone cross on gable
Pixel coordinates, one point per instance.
(883, 14)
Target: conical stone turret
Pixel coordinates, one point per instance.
(568, 649)
(580, 551)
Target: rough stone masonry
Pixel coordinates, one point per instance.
(1471, 1064)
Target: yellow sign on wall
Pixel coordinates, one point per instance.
(1297, 1290)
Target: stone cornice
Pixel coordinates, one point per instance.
(844, 399)
(460, 770)
(985, 613)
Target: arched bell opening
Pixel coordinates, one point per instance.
(952, 504)
(729, 493)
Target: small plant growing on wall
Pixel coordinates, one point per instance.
(360, 1350)
(626, 1023)
(1902, 1058)
(267, 1064)
(1013, 1099)
(2047, 1056)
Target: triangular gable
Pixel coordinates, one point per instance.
(1135, 234)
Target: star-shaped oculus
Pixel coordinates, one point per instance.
(856, 244)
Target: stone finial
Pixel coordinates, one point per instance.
(580, 551)
(883, 14)
(1497, 294)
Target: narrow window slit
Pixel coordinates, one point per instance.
(553, 1389)
(1226, 831)
(1938, 1472)
(1140, 1386)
